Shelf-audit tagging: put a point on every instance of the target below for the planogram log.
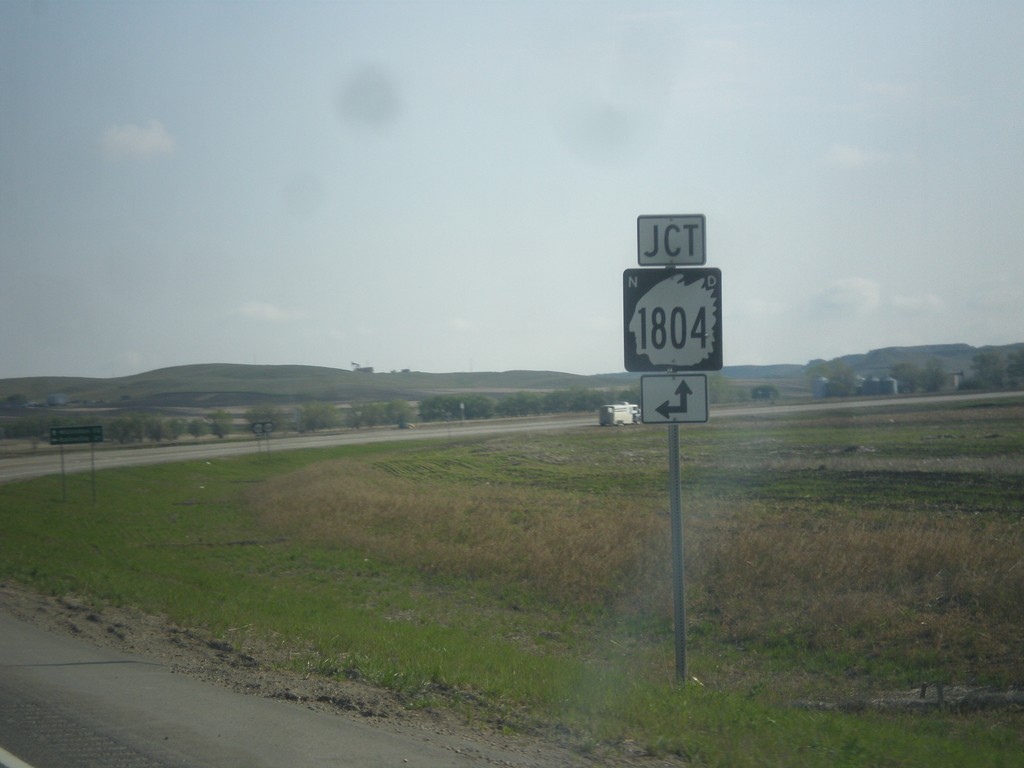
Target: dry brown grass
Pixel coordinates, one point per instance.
(572, 549)
(943, 592)
(870, 582)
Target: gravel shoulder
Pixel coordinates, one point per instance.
(256, 670)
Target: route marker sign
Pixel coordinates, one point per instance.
(671, 241)
(674, 398)
(672, 319)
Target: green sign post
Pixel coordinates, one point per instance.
(70, 435)
(75, 435)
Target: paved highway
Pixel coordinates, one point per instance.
(78, 458)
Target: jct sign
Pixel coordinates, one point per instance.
(676, 241)
(672, 319)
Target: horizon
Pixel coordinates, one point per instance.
(376, 372)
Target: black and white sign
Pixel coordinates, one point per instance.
(672, 241)
(263, 427)
(674, 398)
(672, 319)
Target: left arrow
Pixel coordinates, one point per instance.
(684, 391)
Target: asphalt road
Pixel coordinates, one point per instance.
(79, 458)
(67, 704)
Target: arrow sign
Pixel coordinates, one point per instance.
(674, 398)
(666, 410)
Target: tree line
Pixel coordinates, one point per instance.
(139, 427)
(991, 369)
(994, 370)
(124, 428)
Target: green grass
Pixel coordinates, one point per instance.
(525, 580)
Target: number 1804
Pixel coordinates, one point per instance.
(670, 328)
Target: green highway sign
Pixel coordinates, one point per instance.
(70, 435)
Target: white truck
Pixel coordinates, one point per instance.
(618, 413)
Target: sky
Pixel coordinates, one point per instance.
(454, 185)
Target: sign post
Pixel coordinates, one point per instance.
(676, 517)
(262, 430)
(71, 435)
(672, 322)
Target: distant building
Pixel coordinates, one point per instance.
(887, 385)
(870, 386)
(57, 399)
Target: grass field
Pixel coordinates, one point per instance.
(832, 559)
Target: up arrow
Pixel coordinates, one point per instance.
(666, 410)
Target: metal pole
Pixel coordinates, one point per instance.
(92, 451)
(676, 515)
(63, 479)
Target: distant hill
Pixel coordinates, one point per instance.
(878, 362)
(954, 357)
(759, 372)
(217, 385)
(222, 384)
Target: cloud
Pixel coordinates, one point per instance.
(758, 307)
(259, 310)
(917, 304)
(137, 141)
(852, 158)
(852, 294)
